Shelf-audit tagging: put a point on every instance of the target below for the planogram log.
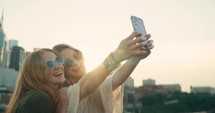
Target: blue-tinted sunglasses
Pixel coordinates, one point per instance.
(51, 64)
(69, 62)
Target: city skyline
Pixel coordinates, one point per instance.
(182, 32)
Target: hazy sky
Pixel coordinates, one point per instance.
(183, 32)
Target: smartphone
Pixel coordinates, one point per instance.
(139, 26)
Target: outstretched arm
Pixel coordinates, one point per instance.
(127, 68)
(127, 48)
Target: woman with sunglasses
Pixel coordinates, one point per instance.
(37, 85)
(108, 98)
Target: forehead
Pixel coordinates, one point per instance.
(67, 53)
(46, 55)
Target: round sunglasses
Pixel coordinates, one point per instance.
(51, 64)
(69, 62)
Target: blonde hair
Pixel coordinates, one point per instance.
(32, 77)
(58, 48)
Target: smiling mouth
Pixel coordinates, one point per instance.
(58, 74)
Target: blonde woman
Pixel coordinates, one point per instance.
(36, 89)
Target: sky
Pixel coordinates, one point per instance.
(182, 30)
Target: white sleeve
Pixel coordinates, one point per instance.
(73, 96)
(112, 100)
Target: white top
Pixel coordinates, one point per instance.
(103, 100)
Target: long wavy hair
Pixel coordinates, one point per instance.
(32, 77)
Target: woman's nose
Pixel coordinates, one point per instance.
(58, 65)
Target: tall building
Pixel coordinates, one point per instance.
(149, 82)
(2, 45)
(16, 57)
(11, 44)
(4, 61)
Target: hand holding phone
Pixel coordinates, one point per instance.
(138, 26)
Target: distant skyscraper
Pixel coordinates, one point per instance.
(12, 43)
(16, 57)
(5, 49)
(2, 44)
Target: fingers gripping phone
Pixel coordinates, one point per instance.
(138, 26)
